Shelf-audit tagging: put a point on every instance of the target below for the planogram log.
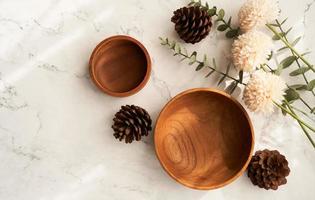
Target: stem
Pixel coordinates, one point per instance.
(304, 113)
(302, 126)
(297, 61)
(294, 115)
(217, 71)
(291, 47)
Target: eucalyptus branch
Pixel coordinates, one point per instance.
(297, 54)
(284, 33)
(220, 14)
(181, 51)
(296, 117)
(302, 126)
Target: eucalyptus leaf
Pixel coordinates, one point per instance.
(302, 87)
(232, 33)
(214, 63)
(222, 27)
(184, 51)
(291, 95)
(286, 33)
(207, 5)
(224, 76)
(299, 71)
(205, 60)
(221, 14)
(282, 48)
(283, 21)
(311, 85)
(212, 11)
(229, 21)
(200, 66)
(283, 111)
(270, 55)
(177, 49)
(192, 60)
(313, 110)
(287, 61)
(231, 88)
(278, 37)
(211, 72)
(306, 53)
(172, 45)
(297, 86)
(296, 41)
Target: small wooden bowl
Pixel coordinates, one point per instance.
(120, 66)
(204, 139)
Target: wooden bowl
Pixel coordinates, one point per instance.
(204, 139)
(120, 66)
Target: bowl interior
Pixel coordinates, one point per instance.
(203, 139)
(119, 64)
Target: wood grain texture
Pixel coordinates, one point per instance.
(120, 66)
(204, 138)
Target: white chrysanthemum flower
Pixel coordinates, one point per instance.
(261, 90)
(256, 13)
(250, 50)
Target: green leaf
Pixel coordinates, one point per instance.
(291, 95)
(184, 51)
(311, 85)
(229, 22)
(302, 87)
(240, 75)
(192, 60)
(200, 66)
(296, 41)
(282, 48)
(277, 37)
(183, 59)
(177, 49)
(207, 5)
(283, 21)
(163, 42)
(306, 53)
(297, 86)
(299, 71)
(214, 63)
(313, 110)
(191, 3)
(283, 111)
(211, 72)
(172, 45)
(224, 76)
(205, 60)
(212, 11)
(222, 27)
(193, 54)
(286, 33)
(274, 25)
(270, 56)
(287, 61)
(221, 14)
(232, 33)
(231, 88)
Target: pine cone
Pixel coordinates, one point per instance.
(131, 122)
(192, 23)
(268, 169)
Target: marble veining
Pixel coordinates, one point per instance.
(55, 137)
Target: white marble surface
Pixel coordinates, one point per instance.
(55, 137)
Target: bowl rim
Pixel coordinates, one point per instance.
(240, 172)
(103, 87)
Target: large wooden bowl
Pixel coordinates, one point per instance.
(204, 139)
(120, 66)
